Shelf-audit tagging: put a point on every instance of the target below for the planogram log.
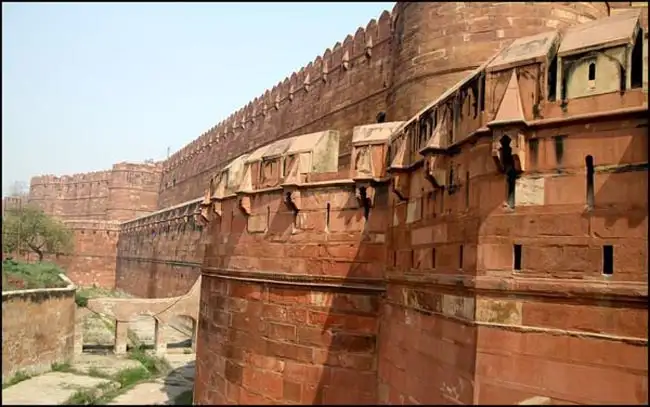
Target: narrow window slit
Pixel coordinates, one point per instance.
(327, 216)
(268, 217)
(433, 257)
(460, 257)
(552, 79)
(517, 257)
(592, 71)
(413, 265)
(608, 260)
(589, 162)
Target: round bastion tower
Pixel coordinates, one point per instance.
(436, 44)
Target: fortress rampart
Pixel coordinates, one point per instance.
(448, 207)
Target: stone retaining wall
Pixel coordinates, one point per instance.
(37, 329)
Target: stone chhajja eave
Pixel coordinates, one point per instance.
(294, 157)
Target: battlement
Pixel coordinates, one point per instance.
(94, 176)
(141, 167)
(354, 51)
(103, 225)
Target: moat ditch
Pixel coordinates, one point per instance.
(98, 376)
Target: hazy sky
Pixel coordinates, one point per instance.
(86, 85)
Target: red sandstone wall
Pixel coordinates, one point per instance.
(126, 191)
(80, 196)
(447, 317)
(93, 259)
(325, 95)
(37, 330)
(437, 44)
(160, 255)
(289, 311)
(133, 190)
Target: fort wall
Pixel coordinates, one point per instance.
(160, 255)
(349, 84)
(47, 338)
(487, 245)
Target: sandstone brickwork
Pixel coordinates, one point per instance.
(448, 207)
(37, 329)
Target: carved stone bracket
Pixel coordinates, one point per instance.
(509, 152)
(216, 207)
(365, 194)
(436, 176)
(291, 198)
(244, 204)
(400, 184)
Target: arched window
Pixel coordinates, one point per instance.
(592, 71)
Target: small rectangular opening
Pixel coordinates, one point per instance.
(327, 216)
(552, 79)
(460, 257)
(608, 260)
(395, 258)
(268, 218)
(413, 265)
(517, 257)
(589, 162)
(433, 257)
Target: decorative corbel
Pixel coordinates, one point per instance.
(509, 152)
(436, 176)
(244, 204)
(400, 185)
(291, 198)
(365, 194)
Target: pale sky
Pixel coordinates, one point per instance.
(87, 85)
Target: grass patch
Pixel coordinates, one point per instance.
(18, 275)
(61, 367)
(95, 372)
(154, 364)
(184, 399)
(152, 367)
(82, 397)
(18, 377)
(128, 378)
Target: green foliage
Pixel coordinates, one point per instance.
(29, 228)
(153, 364)
(61, 367)
(131, 376)
(80, 299)
(18, 377)
(21, 275)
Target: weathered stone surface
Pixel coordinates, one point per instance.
(52, 388)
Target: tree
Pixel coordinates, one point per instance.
(19, 188)
(32, 229)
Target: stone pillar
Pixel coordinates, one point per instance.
(160, 345)
(121, 328)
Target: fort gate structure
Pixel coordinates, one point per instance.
(448, 207)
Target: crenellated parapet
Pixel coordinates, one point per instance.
(366, 47)
(164, 220)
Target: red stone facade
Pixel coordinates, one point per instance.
(448, 207)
